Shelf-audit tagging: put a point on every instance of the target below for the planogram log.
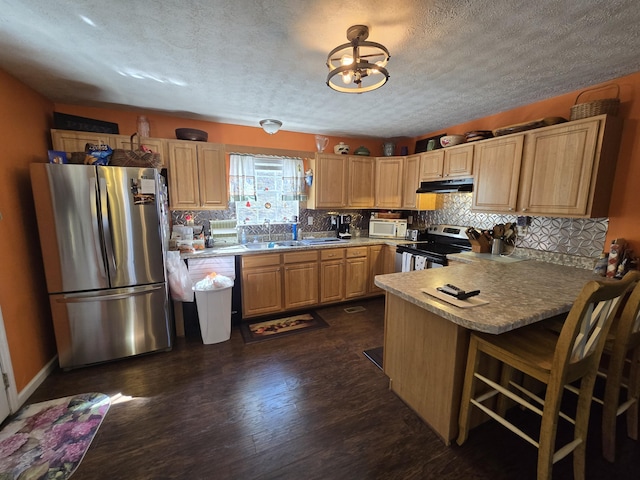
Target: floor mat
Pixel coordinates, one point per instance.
(279, 327)
(49, 439)
(375, 355)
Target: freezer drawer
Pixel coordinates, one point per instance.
(100, 326)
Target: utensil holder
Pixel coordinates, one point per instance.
(480, 245)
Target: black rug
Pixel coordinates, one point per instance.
(375, 355)
(280, 327)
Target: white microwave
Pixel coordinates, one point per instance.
(387, 228)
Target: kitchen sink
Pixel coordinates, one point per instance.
(322, 241)
(293, 243)
(271, 245)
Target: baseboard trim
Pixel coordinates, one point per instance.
(33, 385)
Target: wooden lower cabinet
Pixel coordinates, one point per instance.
(356, 272)
(273, 282)
(300, 279)
(261, 285)
(332, 275)
(381, 261)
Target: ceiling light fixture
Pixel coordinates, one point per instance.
(270, 126)
(358, 66)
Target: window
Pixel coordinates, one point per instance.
(266, 188)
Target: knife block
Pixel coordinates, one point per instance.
(480, 245)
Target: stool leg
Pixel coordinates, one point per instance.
(610, 407)
(548, 430)
(473, 359)
(634, 392)
(582, 422)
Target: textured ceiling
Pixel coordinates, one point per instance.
(241, 61)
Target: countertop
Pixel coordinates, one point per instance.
(470, 257)
(519, 293)
(238, 249)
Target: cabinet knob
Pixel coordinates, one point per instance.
(511, 209)
(524, 209)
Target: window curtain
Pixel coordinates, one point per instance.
(242, 177)
(293, 178)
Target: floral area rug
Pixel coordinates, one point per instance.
(279, 327)
(48, 440)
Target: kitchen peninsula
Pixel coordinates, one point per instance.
(426, 339)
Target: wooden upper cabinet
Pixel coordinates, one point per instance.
(360, 189)
(445, 163)
(411, 181)
(458, 161)
(213, 176)
(431, 165)
(389, 178)
(71, 141)
(330, 179)
(197, 175)
(568, 169)
(497, 173)
(184, 188)
(564, 170)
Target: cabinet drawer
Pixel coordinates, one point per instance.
(260, 260)
(356, 252)
(332, 254)
(297, 257)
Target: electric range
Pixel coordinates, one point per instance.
(440, 241)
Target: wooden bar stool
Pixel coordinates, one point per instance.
(552, 359)
(622, 351)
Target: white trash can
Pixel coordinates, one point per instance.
(214, 313)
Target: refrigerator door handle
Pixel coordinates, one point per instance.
(106, 224)
(91, 296)
(93, 195)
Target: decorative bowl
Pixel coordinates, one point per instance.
(450, 140)
(191, 134)
(341, 148)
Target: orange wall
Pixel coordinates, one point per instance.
(624, 213)
(24, 138)
(164, 126)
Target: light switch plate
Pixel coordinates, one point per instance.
(309, 220)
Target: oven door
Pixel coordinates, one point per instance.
(409, 260)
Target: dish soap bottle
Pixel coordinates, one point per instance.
(243, 237)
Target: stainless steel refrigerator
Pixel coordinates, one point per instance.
(102, 234)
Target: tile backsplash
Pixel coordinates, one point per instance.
(562, 236)
(583, 237)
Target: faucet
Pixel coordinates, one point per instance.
(267, 222)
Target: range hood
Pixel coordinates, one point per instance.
(446, 186)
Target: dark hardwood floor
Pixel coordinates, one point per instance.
(307, 406)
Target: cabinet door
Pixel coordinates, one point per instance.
(71, 141)
(184, 190)
(331, 281)
(411, 182)
(431, 164)
(331, 180)
(212, 171)
(157, 145)
(496, 174)
(458, 161)
(356, 277)
(389, 180)
(360, 191)
(377, 266)
(558, 170)
(261, 290)
(300, 285)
